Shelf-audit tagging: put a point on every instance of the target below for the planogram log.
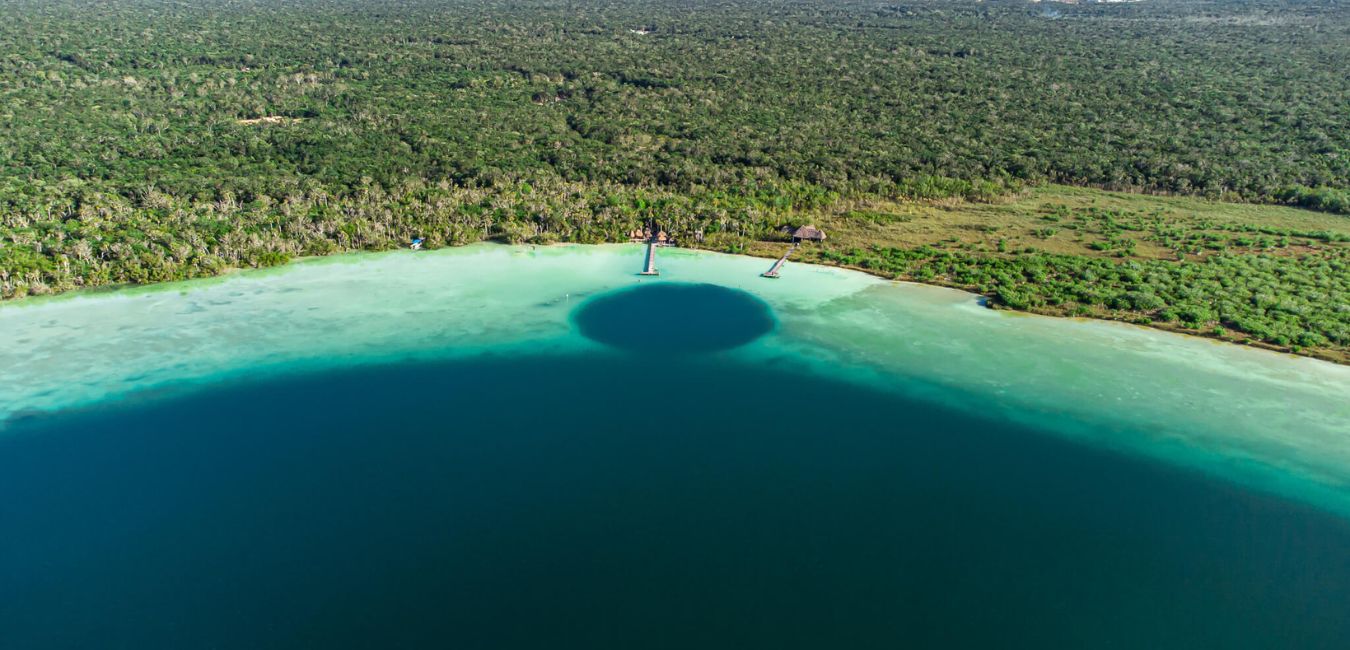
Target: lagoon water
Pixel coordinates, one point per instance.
(479, 448)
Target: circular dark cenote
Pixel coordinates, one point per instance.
(674, 317)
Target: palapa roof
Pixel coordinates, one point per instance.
(809, 232)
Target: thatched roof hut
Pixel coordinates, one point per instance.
(808, 233)
(645, 235)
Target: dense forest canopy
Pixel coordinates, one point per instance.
(1234, 98)
(147, 140)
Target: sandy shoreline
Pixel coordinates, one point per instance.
(1253, 415)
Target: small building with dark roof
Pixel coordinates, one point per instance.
(808, 233)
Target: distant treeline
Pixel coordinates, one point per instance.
(1242, 99)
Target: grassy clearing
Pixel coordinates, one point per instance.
(1076, 221)
(1262, 275)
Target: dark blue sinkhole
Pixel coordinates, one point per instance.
(674, 317)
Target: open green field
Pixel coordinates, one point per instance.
(1266, 275)
(1077, 221)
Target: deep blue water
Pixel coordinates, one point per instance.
(671, 318)
(618, 500)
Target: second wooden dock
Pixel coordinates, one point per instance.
(777, 266)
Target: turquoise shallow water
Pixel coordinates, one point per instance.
(1263, 419)
(427, 449)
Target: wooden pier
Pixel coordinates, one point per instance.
(650, 267)
(773, 270)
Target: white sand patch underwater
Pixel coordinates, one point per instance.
(1273, 421)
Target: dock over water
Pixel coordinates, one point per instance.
(777, 266)
(650, 267)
